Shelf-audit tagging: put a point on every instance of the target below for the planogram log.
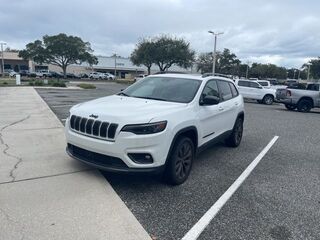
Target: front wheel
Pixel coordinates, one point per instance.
(304, 105)
(268, 100)
(235, 138)
(180, 161)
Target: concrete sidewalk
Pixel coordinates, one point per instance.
(44, 194)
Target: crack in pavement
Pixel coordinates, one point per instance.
(9, 219)
(5, 151)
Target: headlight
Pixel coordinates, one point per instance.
(148, 128)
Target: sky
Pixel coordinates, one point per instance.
(283, 32)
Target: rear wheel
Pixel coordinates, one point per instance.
(268, 99)
(290, 107)
(180, 161)
(304, 105)
(235, 138)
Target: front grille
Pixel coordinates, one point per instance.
(93, 128)
(96, 158)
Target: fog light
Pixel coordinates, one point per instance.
(141, 158)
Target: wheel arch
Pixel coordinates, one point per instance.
(308, 99)
(190, 132)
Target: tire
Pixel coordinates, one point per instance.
(179, 164)
(110, 78)
(290, 107)
(304, 105)
(268, 99)
(234, 139)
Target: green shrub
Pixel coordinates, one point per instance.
(58, 84)
(87, 86)
(5, 83)
(31, 83)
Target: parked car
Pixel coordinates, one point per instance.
(43, 73)
(96, 75)
(252, 89)
(109, 76)
(10, 72)
(24, 73)
(157, 124)
(303, 100)
(84, 75)
(71, 75)
(264, 83)
(31, 74)
(56, 74)
(139, 77)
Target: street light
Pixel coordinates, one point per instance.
(2, 60)
(308, 76)
(115, 65)
(214, 50)
(247, 72)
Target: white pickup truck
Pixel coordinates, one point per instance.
(302, 99)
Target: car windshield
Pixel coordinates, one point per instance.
(164, 89)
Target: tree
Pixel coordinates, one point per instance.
(262, 71)
(226, 62)
(170, 51)
(314, 68)
(163, 51)
(143, 54)
(204, 62)
(60, 50)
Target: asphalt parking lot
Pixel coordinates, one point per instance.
(279, 200)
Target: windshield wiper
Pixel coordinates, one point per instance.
(152, 98)
(123, 94)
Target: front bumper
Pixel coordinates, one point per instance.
(106, 163)
(113, 155)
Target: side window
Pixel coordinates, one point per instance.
(211, 89)
(243, 84)
(254, 85)
(234, 90)
(225, 90)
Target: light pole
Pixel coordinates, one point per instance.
(247, 72)
(2, 60)
(115, 65)
(214, 50)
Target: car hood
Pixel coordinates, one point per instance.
(125, 110)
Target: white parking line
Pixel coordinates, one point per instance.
(198, 228)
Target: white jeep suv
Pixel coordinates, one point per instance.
(252, 89)
(156, 124)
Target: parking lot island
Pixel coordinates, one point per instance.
(44, 194)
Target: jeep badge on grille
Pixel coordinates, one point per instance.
(94, 116)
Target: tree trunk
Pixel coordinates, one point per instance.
(64, 69)
(149, 69)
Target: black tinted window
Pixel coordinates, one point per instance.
(211, 89)
(254, 85)
(225, 90)
(233, 90)
(243, 83)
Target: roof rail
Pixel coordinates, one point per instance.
(168, 72)
(218, 75)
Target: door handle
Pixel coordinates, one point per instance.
(236, 104)
(220, 108)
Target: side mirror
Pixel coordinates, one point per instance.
(209, 100)
(260, 87)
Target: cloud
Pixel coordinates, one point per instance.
(282, 32)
